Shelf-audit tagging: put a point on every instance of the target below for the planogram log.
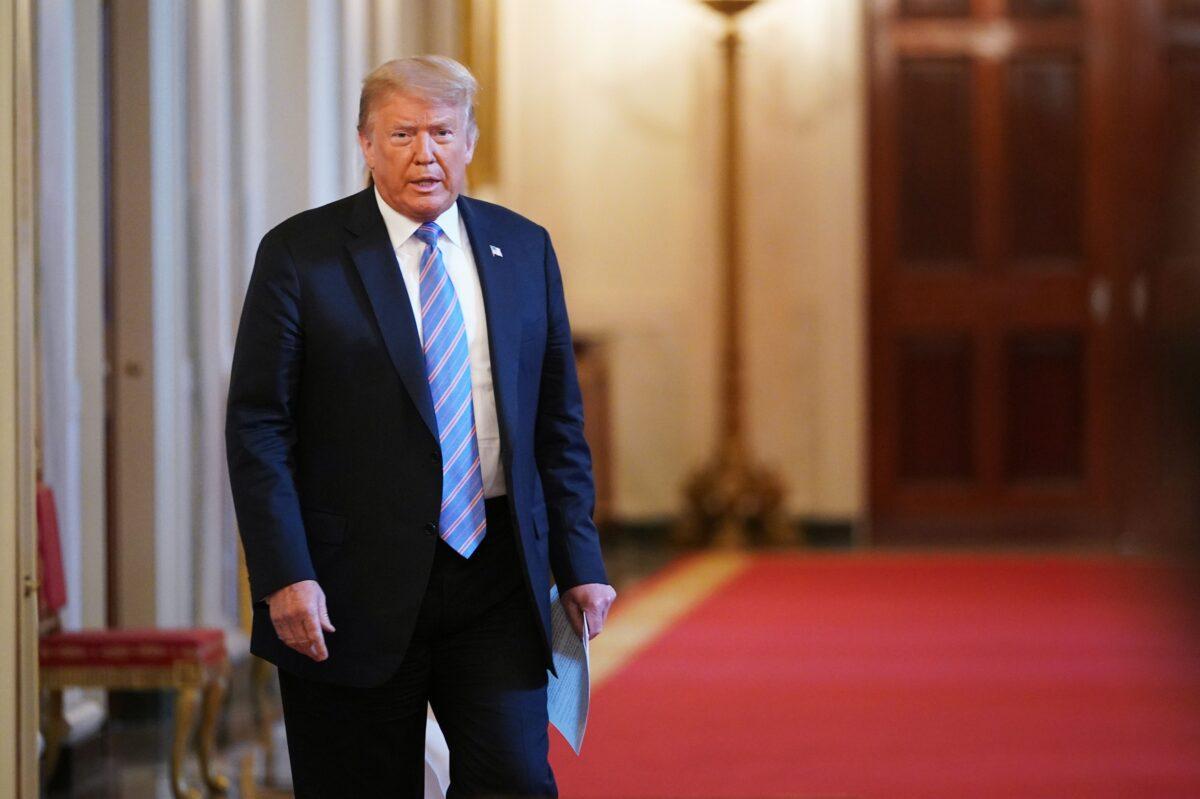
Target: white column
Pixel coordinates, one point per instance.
(272, 125)
(173, 370)
(386, 30)
(357, 61)
(213, 225)
(253, 128)
(60, 393)
(71, 247)
(71, 300)
(91, 366)
(326, 141)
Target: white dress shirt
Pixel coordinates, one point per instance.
(460, 266)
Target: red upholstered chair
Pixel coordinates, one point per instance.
(191, 662)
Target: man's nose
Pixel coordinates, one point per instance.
(424, 153)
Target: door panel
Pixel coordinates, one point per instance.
(936, 401)
(1044, 402)
(1163, 445)
(1043, 170)
(936, 183)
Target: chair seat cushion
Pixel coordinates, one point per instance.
(145, 648)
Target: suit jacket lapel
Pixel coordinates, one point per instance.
(497, 279)
(373, 256)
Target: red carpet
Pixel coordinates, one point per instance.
(909, 676)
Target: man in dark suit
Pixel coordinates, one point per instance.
(405, 444)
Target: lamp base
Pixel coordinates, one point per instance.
(731, 503)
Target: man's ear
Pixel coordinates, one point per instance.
(474, 139)
(367, 147)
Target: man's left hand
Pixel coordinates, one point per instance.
(591, 600)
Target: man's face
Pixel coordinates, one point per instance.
(418, 151)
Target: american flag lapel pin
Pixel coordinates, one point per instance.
(496, 251)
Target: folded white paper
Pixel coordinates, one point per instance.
(567, 695)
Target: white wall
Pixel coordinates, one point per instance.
(611, 125)
(807, 255)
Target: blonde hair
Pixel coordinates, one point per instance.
(431, 77)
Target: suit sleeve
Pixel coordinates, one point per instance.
(563, 458)
(260, 428)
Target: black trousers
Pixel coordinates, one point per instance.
(475, 657)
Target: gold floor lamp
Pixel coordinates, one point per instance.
(732, 500)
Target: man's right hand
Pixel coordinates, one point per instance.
(301, 619)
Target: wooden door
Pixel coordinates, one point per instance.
(1163, 463)
(995, 257)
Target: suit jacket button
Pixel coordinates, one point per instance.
(434, 456)
(431, 528)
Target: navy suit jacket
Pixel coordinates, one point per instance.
(331, 436)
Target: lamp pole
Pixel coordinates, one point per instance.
(731, 500)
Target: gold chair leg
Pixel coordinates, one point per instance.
(246, 785)
(54, 728)
(214, 693)
(186, 700)
(264, 715)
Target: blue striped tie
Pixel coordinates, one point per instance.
(448, 368)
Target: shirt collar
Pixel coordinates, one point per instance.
(400, 228)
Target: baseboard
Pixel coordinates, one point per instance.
(821, 532)
(828, 532)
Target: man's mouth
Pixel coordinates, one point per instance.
(426, 184)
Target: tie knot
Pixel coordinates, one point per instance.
(428, 233)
